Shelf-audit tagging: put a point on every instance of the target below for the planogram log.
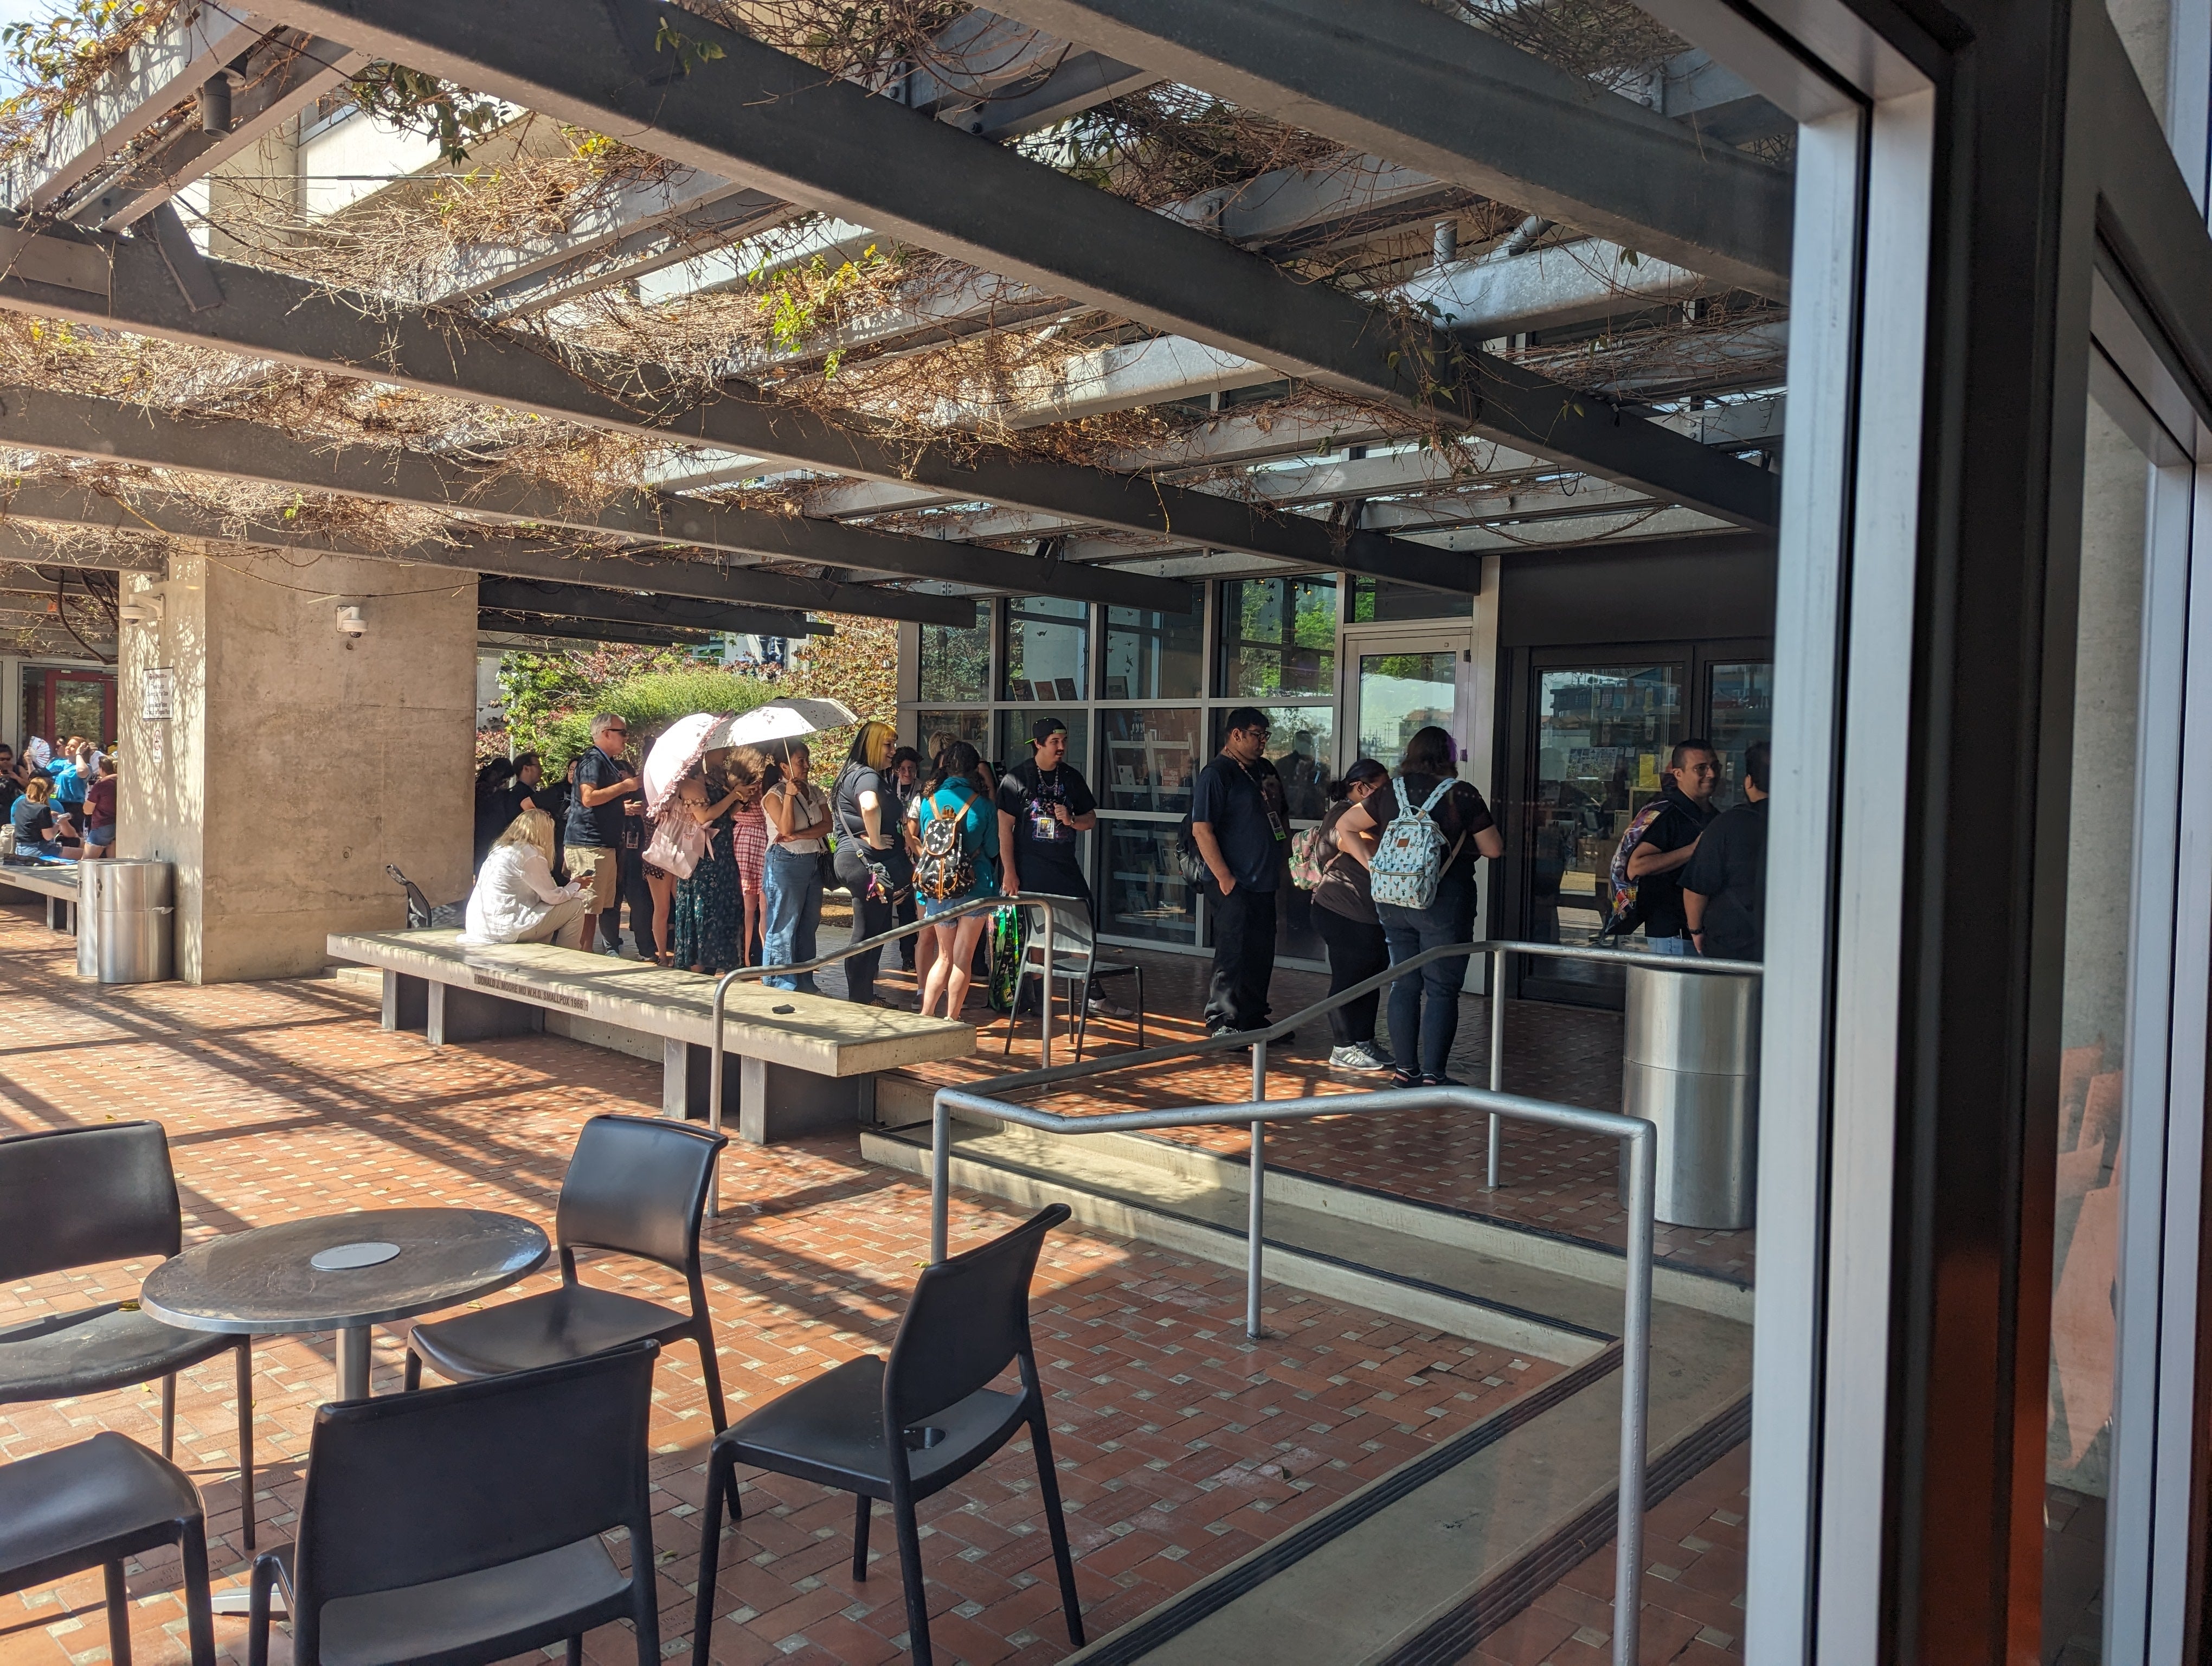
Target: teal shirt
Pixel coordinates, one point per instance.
(978, 824)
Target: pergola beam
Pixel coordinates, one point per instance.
(550, 632)
(79, 425)
(63, 504)
(1400, 79)
(577, 602)
(122, 282)
(756, 114)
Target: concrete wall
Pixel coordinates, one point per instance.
(296, 764)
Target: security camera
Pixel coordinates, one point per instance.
(145, 610)
(351, 623)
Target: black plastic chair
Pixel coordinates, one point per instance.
(74, 1197)
(1075, 963)
(636, 1185)
(92, 1505)
(462, 1524)
(905, 1428)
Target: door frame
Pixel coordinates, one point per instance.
(49, 676)
(1407, 636)
(1519, 668)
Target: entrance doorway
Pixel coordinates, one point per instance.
(1594, 727)
(1403, 682)
(59, 702)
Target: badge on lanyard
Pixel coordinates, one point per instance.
(1275, 826)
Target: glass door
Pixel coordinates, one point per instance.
(1406, 684)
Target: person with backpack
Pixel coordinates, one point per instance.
(1659, 844)
(1344, 909)
(1429, 829)
(956, 825)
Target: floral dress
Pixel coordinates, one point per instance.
(708, 916)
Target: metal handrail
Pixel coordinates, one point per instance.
(973, 905)
(1640, 1135)
(1051, 1074)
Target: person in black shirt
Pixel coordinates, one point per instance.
(1425, 1004)
(871, 861)
(592, 840)
(11, 784)
(1045, 805)
(1724, 886)
(1693, 770)
(1238, 823)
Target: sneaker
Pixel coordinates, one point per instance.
(1383, 1060)
(1102, 1008)
(1355, 1058)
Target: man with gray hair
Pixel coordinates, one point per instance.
(592, 842)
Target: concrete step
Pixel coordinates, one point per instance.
(1130, 1188)
(1168, 1172)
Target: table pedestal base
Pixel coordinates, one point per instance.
(353, 1362)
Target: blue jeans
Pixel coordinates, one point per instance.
(1681, 946)
(791, 896)
(1421, 1036)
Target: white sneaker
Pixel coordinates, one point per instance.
(1354, 1058)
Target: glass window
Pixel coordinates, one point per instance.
(1401, 694)
(1380, 600)
(932, 728)
(1301, 744)
(1048, 649)
(1144, 889)
(1742, 711)
(1149, 756)
(956, 664)
(1603, 736)
(2110, 1076)
(1014, 735)
(1278, 638)
(1152, 656)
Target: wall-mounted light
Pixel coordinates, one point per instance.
(350, 622)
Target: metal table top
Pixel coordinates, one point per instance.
(264, 1281)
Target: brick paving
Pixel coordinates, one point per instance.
(1550, 1180)
(1183, 1446)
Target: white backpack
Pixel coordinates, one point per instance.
(1410, 856)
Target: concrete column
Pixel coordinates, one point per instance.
(296, 761)
(11, 700)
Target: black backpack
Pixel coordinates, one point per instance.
(1191, 859)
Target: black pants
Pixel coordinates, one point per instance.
(870, 918)
(630, 887)
(1357, 951)
(1243, 960)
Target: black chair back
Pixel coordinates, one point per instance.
(638, 1185)
(427, 1485)
(968, 1320)
(70, 1197)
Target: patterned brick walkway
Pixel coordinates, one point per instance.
(1555, 1182)
(1184, 1445)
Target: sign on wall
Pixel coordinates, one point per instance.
(160, 702)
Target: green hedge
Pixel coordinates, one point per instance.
(650, 700)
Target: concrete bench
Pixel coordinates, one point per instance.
(795, 1064)
(55, 881)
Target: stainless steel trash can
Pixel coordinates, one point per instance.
(125, 915)
(1692, 1069)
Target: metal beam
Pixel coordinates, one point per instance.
(79, 425)
(760, 115)
(1400, 79)
(542, 634)
(64, 504)
(122, 282)
(576, 602)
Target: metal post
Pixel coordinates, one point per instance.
(353, 1362)
(1044, 1030)
(1256, 1206)
(1635, 1400)
(940, 1177)
(714, 1091)
(1497, 1053)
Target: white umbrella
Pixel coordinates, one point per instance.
(786, 720)
(680, 747)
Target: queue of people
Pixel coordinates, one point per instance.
(59, 802)
(1390, 869)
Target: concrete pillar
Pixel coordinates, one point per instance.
(293, 761)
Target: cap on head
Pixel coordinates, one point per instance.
(1044, 728)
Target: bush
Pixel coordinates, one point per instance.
(650, 700)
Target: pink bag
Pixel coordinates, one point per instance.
(677, 843)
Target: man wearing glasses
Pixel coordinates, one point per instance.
(593, 838)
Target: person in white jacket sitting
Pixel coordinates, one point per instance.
(516, 900)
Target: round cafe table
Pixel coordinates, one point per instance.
(343, 1272)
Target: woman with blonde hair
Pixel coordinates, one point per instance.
(516, 900)
(872, 860)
